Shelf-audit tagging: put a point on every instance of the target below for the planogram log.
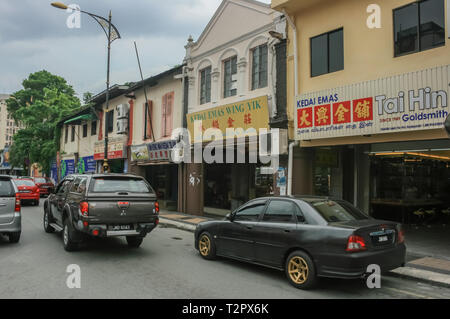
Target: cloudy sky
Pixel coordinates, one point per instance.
(34, 36)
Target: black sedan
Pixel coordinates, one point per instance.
(307, 237)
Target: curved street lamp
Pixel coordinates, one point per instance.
(112, 34)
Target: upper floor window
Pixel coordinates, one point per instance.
(327, 53)
(167, 111)
(230, 77)
(73, 134)
(110, 121)
(66, 135)
(93, 128)
(85, 126)
(419, 26)
(205, 85)
(148, 120)
(259, 67)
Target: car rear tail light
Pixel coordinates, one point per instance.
(156, 221)
(157, 207)
(95, 232)
(84, 209)
(355, 243)
(401, 236)
(17, 206)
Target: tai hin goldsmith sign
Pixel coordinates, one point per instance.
(407, 102)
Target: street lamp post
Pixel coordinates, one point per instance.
(112, 34)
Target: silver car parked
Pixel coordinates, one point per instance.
(10, 214)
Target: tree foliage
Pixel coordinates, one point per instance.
(44, 100)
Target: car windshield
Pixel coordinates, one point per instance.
(40, 180)
(24, 182)
(6, 188)
(120, 184)
(337, 211)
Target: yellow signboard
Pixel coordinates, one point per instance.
(242, 115)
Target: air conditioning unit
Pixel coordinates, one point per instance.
(122, 111)
(122, 126)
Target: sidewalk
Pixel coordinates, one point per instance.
(420, 265)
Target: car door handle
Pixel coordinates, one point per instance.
(249, 227)
(287, 230)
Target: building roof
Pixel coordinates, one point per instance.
(4, 96)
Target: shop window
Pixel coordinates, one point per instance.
(85, 129)
(280, 211)
(230, 77)
(93, 128)
(259, 67)
(327, 53)
(419, 26)
(66, 135)
(110, 121)
(167, 111)
(148, 119)
(205, 85)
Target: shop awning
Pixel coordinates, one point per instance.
(78, 119)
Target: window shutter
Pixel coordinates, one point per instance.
(148, 116)
(163, 117)
(169, 113)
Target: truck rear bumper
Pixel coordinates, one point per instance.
(140, 229)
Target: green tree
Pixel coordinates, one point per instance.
(44, 100)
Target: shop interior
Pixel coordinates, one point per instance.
(164, 180)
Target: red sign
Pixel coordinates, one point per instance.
(111, 155)
(363, 110)
(322, 115)
(342, 112)
(305, 117)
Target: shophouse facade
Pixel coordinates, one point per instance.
(368, 92)
(235, 79)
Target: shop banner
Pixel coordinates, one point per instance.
(67, 167)
(253, 113)
(139, 153)
(54, 171)
(160, 151)
(116, 149)
(86, 165)
(407, 102)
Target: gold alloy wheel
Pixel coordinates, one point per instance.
(298, 270)
(205, 245)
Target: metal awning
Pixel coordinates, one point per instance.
(78, 119)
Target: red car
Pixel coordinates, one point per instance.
(28, 191)
(45, 185)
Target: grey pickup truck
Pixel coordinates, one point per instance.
(101, 205)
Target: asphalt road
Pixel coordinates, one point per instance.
(166, 266)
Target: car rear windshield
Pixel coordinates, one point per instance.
(120, 184)
(6, 188)
(24, 182)
(337, 211)
(40, 180)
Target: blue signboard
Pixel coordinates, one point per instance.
(67, 167)
(86, 165)
(54, 171)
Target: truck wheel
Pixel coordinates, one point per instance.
(47, 220)
(300, 270)
(69, 244)
(134, 241)
(14, 237)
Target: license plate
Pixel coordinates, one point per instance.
(24, 191)
(120, 227)
(382, 238)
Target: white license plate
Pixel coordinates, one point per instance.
(382, 238)
(121, 227)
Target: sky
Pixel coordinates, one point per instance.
(34, 36)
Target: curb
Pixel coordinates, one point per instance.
(179, 225)
(422, 275)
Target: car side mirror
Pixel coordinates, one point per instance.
(229, 217)
(447, 124)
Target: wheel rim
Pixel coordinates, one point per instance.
(205, 245)
(298, 270)
(66, 235)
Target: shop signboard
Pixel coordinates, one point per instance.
(116, 149)
(54, 171)
(86, 165)
(408, 102)
(139, 153)
(67, 167)
(160, 151)
(253, 113)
